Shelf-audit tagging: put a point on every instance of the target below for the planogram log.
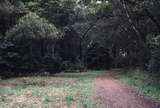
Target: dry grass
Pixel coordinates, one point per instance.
(65, 90)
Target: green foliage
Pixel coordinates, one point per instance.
(143, 81)
(120, 28)
(10, 12)
(87, 103)
(32, 41)
(69, 100)
(32, 26)
(55, 11)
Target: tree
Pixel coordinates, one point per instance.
(32, 46)
(57, 12)
(10, 12)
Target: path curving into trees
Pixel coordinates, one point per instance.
(112, 93)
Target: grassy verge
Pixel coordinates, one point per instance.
(65, 90)
(144, 82)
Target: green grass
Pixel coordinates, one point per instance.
(72, 90)
(143, 81)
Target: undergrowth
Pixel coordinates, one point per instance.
(144, 81)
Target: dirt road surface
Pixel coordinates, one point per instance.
(112, 93)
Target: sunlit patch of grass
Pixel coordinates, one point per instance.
(62, 90)
(142, 81)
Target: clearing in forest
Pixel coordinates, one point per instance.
(63, 90)
(92, 89)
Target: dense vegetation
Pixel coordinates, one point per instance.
(141, 80)
(56, 35)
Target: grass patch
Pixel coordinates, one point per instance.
(87, 103)
(62, 90)
(69, 100)
(143, 81)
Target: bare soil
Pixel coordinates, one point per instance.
(112, 93)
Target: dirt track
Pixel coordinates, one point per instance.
(111, 93)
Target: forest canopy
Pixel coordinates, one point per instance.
(56, 35)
